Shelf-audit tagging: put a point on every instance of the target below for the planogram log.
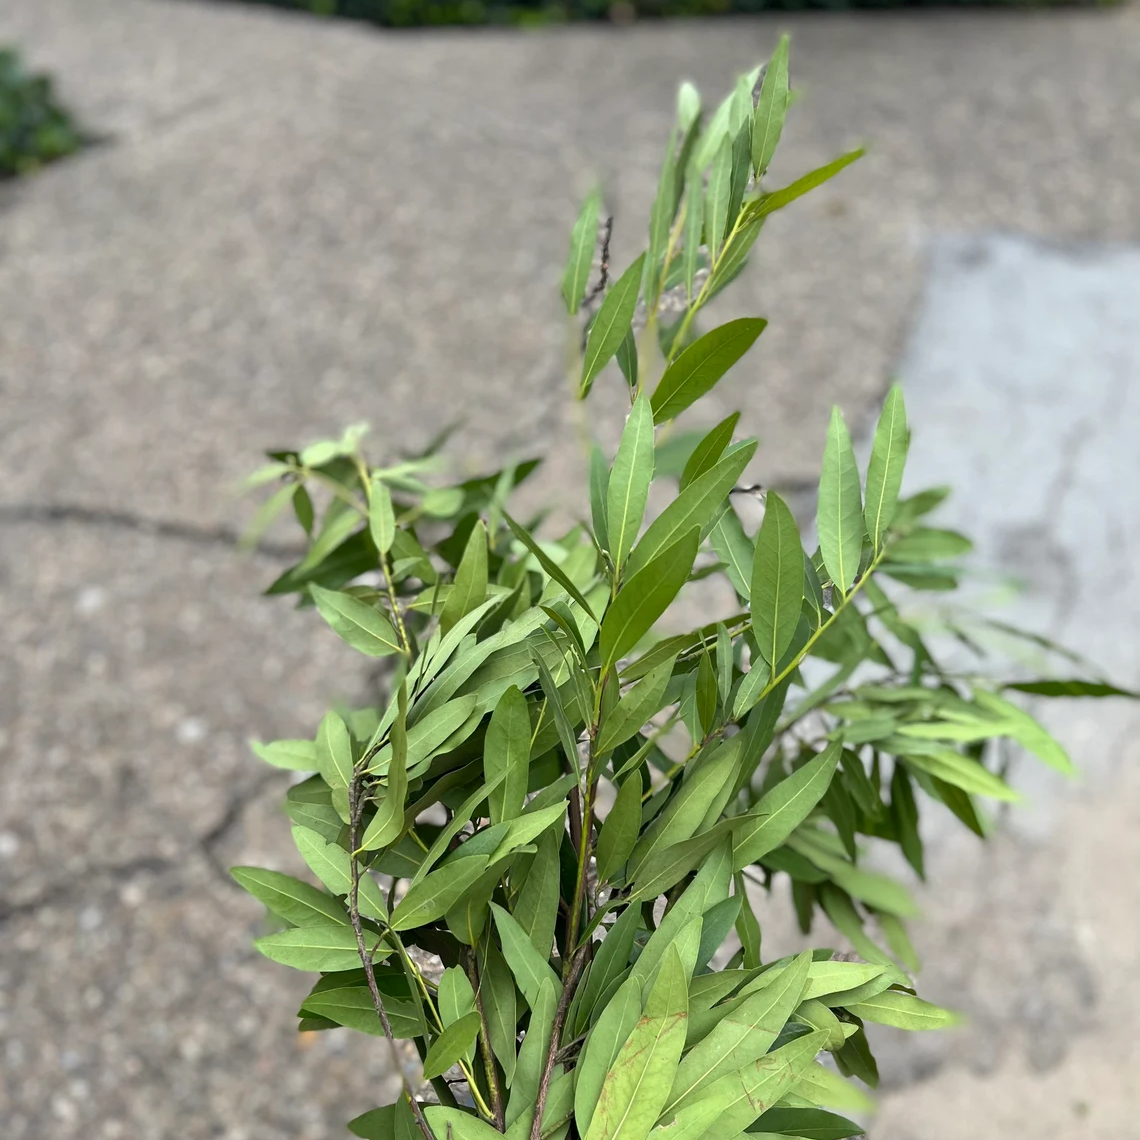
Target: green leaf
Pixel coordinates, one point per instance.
(840, 518)
(771, 109)
(741, 170)
(351, 1005)
(806, 1124)
(627, 358)
(1048, 688)
(734, 550)
(295, 755)
(694, 226)
(696, 506)
(388, 823)
(700, 366)
(611, 324)
(536, 910)
(506, 755)
(638, 1082)
(642, 701)
(777, 581)
(324, 948)
(661, 219)
(583, 242)
(903, 1011)
(532, 1053)
(707, 453)
(529, 967)
(497, 988)
(381, 517)
(295, 901)
(432, 730)
(782, 809)
(438, 892)
(885, 469)
(548, 564)
(620, 830)
(456, 1124)
(613, 1028)
(376, 1124)
(645, 597)
(742, 1035)
(757, 1086)
(961, 771)
(451, 1045)
(599, 491)
(1027, 732)
(363, 626)
(770, 203)
(470, 586)
(927, 544)
(331, 864)
(717, 194)
(629, 481)
(826, 1087)
(747, 926)
(834, 977)
(334, 752)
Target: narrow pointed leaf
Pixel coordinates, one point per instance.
(599, 492)
(331, 864)
(627, 717)
(638, 1082)
(583, 242)
(437, 893)
(885, 468)
(611, 324)
(903, 1011)
(532, 1053)
(771, 109)
(717, 194)
(613, 1028)
(628, 487)
(694, 227)
(319, 948)
(536, 910)
(778, 199)
(696, 506)
(381, 517)
(452, 1044)
(700, 366)
(645, 597)
(529, 967)
(782, 809)
(295, 901)
(388, 824)
(777, 580)
(708, 452)
(619, 832)
(470, 586)
(334, 751)
(506, 755)
(548, 564)
(363, 626)
(840, 516)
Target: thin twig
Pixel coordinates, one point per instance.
(355, 809)
(604, 265)
(576, 965)
(485, 1045)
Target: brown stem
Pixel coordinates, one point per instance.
(485, 1046)
(355, 808)
(576, 964)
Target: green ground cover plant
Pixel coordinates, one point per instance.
(545, 855)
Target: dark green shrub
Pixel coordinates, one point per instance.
(412, 13)
(536, 847)
(34, 128)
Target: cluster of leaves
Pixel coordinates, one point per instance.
(433, 13)
(34, 129)
(536, 854)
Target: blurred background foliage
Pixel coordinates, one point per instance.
(413, 13)
(34, 128)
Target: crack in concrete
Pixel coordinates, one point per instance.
(51, 514)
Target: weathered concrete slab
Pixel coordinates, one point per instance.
(1022, 379)
(261, 252)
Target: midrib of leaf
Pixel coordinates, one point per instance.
(886, 468)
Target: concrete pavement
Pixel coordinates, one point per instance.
(291, 225)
